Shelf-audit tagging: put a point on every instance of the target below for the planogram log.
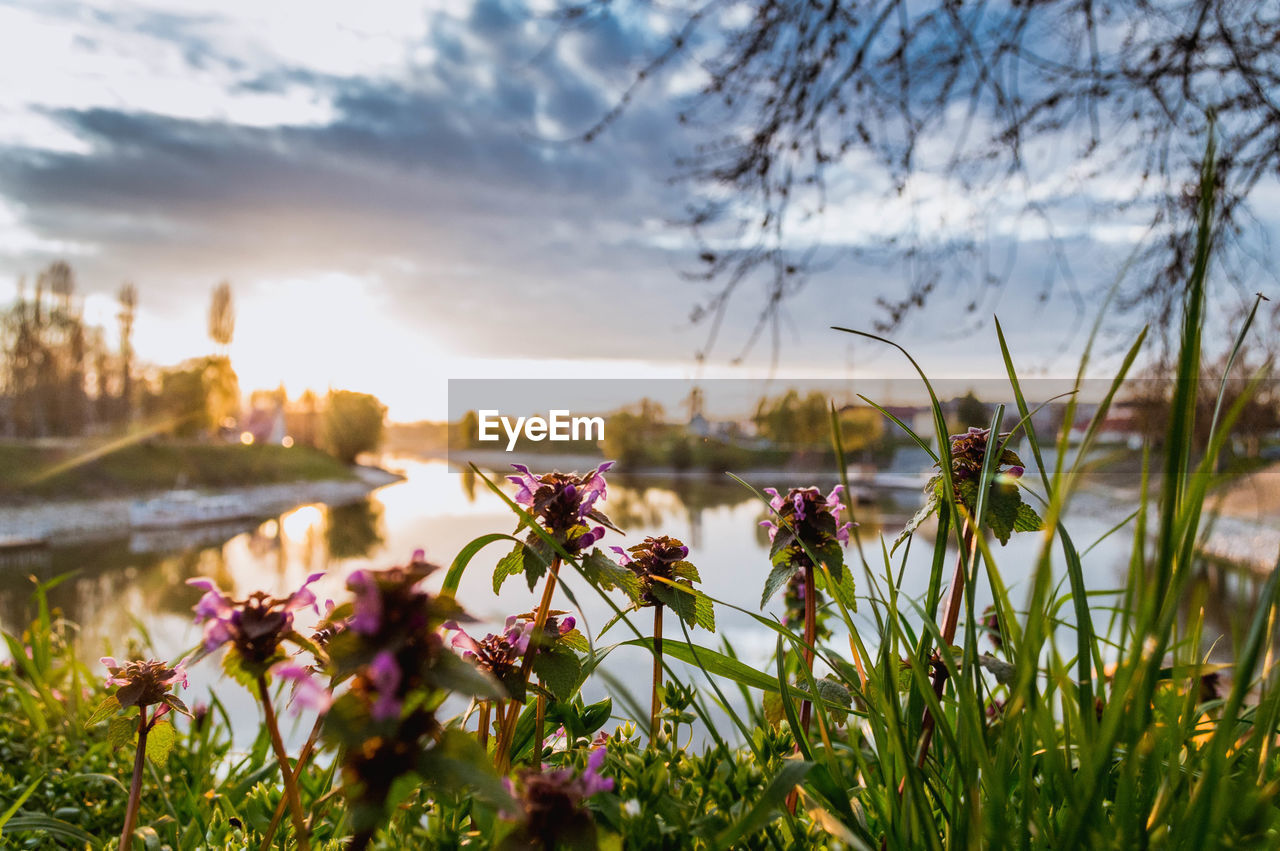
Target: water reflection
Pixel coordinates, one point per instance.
(138, 580)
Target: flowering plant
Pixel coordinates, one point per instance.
(384, 724)
(1006, 512)
(255, 627)
(805, 523)
(551, 809)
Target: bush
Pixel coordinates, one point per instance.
(353, 423)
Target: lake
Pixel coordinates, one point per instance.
(134, 585)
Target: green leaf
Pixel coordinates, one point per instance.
(120, 731)
(704, 614)
(511, 564)
(175, 703)
(779, 576)
(926, 511)
(559, 670)
(538, 556)
(575, 640)
(160, 740)
(1027, 520)
(685, 570)
(605, 573)
(108, 707)
(456, 674)
(17, 805)
(1002, 510)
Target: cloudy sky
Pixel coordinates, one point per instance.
(392, 190)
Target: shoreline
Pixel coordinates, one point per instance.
(73, 521)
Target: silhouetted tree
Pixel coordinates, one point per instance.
(222, 316)
(1041, 116)
(128, 299)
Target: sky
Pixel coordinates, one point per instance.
(397, 195)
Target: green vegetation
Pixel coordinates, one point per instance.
(29, 473)
(1067, 717)
(352, 424)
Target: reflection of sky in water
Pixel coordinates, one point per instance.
(123, 582)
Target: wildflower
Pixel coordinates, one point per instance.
(146, 683)
(564, 503)
(400, 672)
(254, 626)
(307, 693)
(654, 560)
(807, 510)
(991, 621)
(551, 802)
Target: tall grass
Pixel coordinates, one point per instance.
(1086, 726)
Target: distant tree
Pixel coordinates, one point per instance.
(971, 411)
(199, 395)
(222, 316)
(128, 299)
(794, 421)
(860, 429)
(353, 423)
(634, 435)
(47, 356)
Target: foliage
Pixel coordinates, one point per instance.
(352, 424)
(1073, 720)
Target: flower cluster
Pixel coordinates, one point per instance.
(145, 683)
(970, 447)
(564, 503)
(384, 723)
(653, 560)
(551, 804)
(254, 626)
(805, 526)
(807, 510)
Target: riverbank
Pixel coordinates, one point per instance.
(72, 520)
(33, 473)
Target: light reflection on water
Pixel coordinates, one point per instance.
(135, 581)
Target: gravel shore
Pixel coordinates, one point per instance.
(78, 520)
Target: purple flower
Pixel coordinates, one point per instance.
(384, 674)
(654, 562)
(591, 781)
(307, 692)
(564, 502)
(145, 683)
(366, 616)
(256, 625)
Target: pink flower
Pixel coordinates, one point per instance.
(385, 676)
(307, 692)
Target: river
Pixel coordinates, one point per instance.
(129, 592)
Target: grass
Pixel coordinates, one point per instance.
(30, 473)
(1088, 725)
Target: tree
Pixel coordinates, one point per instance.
(1032, 114)
(199, 395)
(222, 316)
(48, 354)
(128, 299)
(353, 423)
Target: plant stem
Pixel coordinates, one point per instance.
(810, 637)
(502, 753)
(303, 756)
(483, 731)
(539, 729)
(135, 786)
(949, 619)
(657, 672)
(282, 757)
